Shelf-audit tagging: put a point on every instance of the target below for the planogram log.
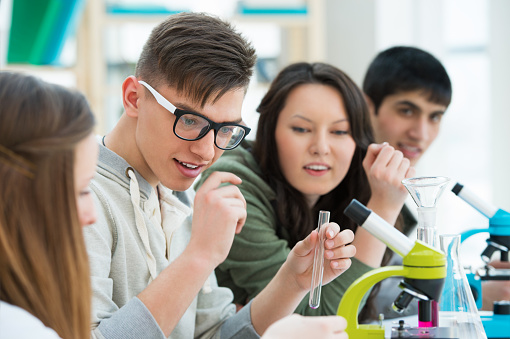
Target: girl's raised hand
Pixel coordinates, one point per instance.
(337, 254)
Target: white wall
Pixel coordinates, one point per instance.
(471, 38)
(351, 35)
(499, 52)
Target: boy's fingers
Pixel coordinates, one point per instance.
(218, 178)
(373, 151)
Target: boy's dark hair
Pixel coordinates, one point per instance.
(402, 69)
(197, 54)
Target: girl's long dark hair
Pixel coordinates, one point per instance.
(292, 211)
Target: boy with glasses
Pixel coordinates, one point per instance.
(153, 249)
(193, 126)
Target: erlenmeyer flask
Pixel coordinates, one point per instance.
(456, 304)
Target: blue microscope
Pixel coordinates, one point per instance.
(497, 322)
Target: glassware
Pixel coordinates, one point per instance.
(426, 192)
(457, 305)
(318, 262)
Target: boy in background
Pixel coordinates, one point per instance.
(408, 91)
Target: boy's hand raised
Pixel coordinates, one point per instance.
(219, 214)
(386, 168)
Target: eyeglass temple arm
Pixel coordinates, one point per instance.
(159, 98)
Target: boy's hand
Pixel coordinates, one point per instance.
(337, 254)
(219, 214)
(386, 168)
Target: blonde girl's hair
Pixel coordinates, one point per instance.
(43, 261)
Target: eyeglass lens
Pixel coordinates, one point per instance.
(192, 127)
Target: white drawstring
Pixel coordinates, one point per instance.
(172, 216)
(134, 189)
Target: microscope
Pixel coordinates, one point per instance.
(497, 322)
(423, 271)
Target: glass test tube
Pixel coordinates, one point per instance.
(318, 262)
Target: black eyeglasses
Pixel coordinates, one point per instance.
(193, 126)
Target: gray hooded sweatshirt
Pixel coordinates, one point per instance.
(138, 232)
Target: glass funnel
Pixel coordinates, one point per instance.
(457, 306)
(425, 192)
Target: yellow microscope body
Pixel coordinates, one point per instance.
(423, 270)
(422, 263)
